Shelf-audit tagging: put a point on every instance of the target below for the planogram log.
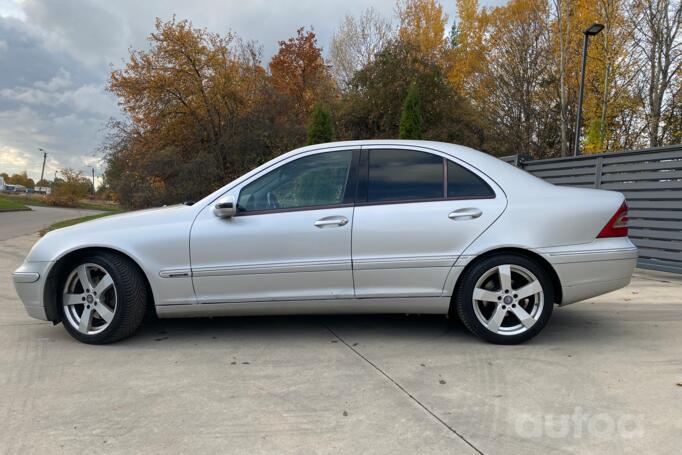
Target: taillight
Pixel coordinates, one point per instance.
(617, 225)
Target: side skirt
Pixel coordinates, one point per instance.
(421, 305)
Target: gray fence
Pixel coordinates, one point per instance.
(650, 179)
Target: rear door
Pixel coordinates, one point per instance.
(416, 212)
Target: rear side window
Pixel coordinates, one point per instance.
(403, 175)
(463, 183)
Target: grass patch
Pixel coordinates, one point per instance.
(105, 207)
(66, 223)
(39, 200)
(7, 203)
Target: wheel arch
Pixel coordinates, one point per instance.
(541, 261)
(51, 290)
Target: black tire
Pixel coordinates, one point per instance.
(463, 302)
(131, 290)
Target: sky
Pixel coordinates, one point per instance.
(56, 56)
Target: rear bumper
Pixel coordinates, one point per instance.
(592, 269)
(29, 282)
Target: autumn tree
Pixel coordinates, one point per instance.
(21, 178)
(422, 25)
(515, 84)
(198, 115)
(657, 41)
(465, 55)
(201, 109)
(373, 105)
(299, 72)
(320, 128)
(610, 108)
(355, 43)
(70, 189)
(411, 115)
(563, 33)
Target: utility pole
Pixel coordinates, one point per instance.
(42, 173)
(93, 180)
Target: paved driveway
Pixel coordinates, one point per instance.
(602, 378)
(14, 224)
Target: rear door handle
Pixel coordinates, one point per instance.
(331, 221)
(465, 214)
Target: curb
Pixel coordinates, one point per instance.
(25, 209)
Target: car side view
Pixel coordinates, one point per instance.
(381, 226)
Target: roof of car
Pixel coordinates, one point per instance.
(497, 169)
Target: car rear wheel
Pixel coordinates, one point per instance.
(103, 298)
(505, 299)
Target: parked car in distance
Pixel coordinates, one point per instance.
(350, 227)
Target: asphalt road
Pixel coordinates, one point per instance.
(603, 378)
(14, 224)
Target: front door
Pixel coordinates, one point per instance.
(416, 213)
(291, 237)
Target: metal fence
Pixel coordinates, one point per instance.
(650, 179)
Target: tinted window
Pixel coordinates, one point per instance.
(464, 183)
(306, 182)
(399, 175)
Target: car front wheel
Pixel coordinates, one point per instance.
(505, 299)
(103, 298)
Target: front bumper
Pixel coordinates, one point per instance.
(593, 269)
(29, 282)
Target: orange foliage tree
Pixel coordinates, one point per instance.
(299, 75)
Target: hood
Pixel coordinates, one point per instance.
(155, 215)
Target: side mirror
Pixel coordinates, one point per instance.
(225, 207)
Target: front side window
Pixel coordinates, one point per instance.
(314, 180)
(403, 175)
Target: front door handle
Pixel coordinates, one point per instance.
(465, 214)
(331, 221)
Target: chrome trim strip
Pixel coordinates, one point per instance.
(591, 256)
(613, 250)
(318, 266)
(289, 267)
(175, 273)
(404, 262)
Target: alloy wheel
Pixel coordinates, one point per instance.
(508, 299)
(89, 299)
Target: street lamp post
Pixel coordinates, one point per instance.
(592, 30)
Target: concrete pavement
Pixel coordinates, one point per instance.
(14, 224)
(602, 378)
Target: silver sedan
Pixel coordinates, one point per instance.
(349, 227)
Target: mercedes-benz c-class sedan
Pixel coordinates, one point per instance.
(349, 227)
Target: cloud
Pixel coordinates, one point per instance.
(68, 138)
(91, 32)
(59, 92)
(15, 158)
(61, 80)
(16, 161)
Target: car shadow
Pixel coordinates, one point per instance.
(564, 326)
